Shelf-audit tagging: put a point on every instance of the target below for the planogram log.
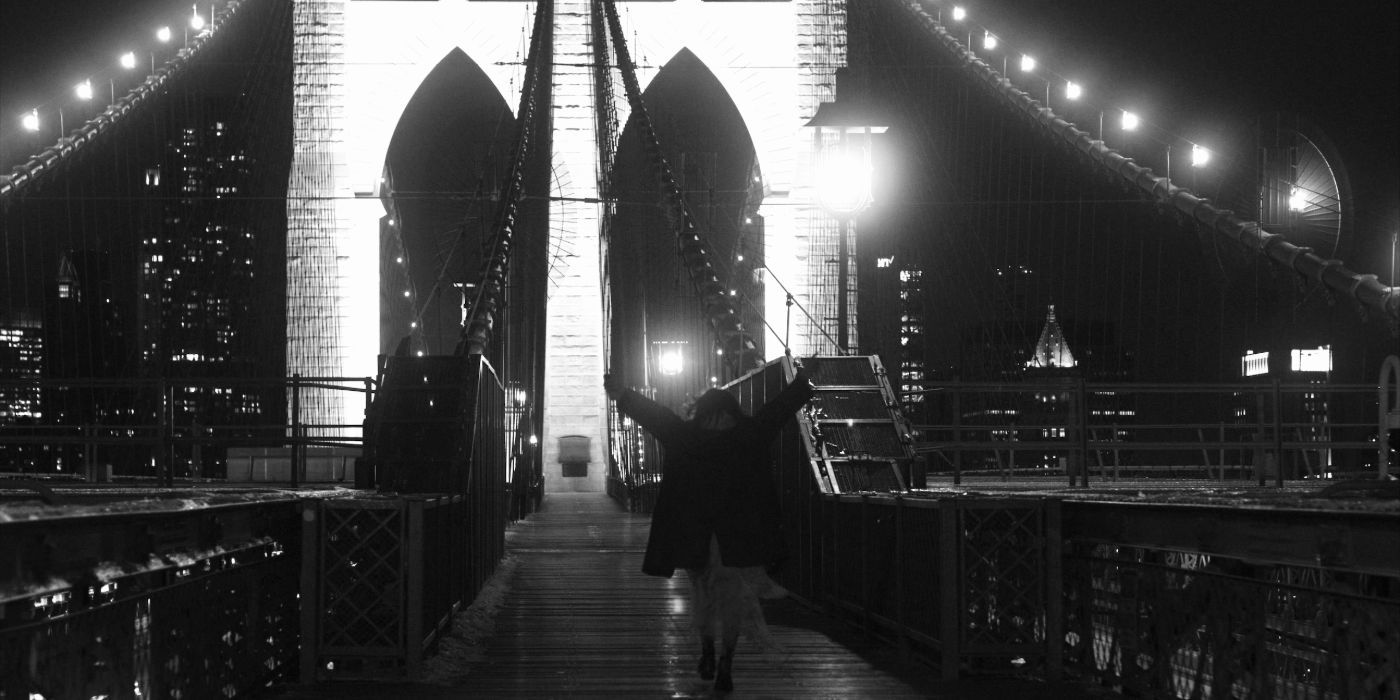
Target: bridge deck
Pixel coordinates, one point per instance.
(577, 618)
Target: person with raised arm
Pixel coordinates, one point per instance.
(717, 513)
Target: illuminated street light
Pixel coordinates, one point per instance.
(959, 14)
(84, 90)
(163, 34)
(196, 22)
(128, 60)
(670, 362)
(1199, 156)
(1027, 64)
(843, 178)
(31, 120)
(1073, 91)
(989, 41)
(1130, 121)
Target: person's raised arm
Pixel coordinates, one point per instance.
(657, 419)
(781, 407)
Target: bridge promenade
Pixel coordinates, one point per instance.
(570, 615)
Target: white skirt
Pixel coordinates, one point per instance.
(724, 599)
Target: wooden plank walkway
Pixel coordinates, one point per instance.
(578, 619)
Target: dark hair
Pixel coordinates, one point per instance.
(714, 402)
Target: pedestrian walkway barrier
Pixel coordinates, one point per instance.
(374, 604)
(192, 597)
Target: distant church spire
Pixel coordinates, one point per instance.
(1051, 350)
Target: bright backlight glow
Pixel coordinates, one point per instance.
(1296, 200)
(1130, 121)
(128, 60)
(669, 363)
(843, 179)
(959, 14)
(196, 22)
(1199, 156)
(989, 41)
(30, 121)
(84, 90)
(1254, 364)
(1027, 64)
(163, 34)
(1310, 360)
(1073, 91)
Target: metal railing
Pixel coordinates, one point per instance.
(184, 599)
(1265, 432)
(1158, 600)
(157, 430)
(1296, 621)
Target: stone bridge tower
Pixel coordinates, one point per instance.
(360, 62)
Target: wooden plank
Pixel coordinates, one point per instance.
(580, 620)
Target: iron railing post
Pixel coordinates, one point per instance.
(949, 574)
(310, 588)
(901, 623)
(164, 415)
(865, 563)
(1081, 419)
(1054, 591)
(293, 466)
(413, 600)
(957, 432)
(1278, 434)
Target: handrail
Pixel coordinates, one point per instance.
(1364, 288)
(28, 173)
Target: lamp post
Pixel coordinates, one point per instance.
(841, 133)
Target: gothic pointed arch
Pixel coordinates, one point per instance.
(446, 156)
(709, 149)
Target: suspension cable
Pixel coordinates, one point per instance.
(476, 332)
(1364, 288)
(28, 174)
(734, 339)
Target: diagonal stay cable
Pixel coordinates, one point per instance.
(490, 295)
(1366, 289)
(716, 307)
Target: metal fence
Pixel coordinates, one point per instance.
(187, 601)
(160, 430)
(1164, 623)
(971, 583)
(1153, 600)
(1263, 432)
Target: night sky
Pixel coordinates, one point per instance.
(1200, 69)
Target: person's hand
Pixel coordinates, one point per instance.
(612, 386)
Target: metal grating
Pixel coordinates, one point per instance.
(861, 440)
(1161, 623)
(840, 405)
(866, 476)
(1004, 578)
(363, 584)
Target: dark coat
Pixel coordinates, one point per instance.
(715, 482)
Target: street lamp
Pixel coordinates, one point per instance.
(669, 359)
(30, 121)
(841, 132)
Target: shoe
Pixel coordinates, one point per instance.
(724, 679)
(707, 666)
